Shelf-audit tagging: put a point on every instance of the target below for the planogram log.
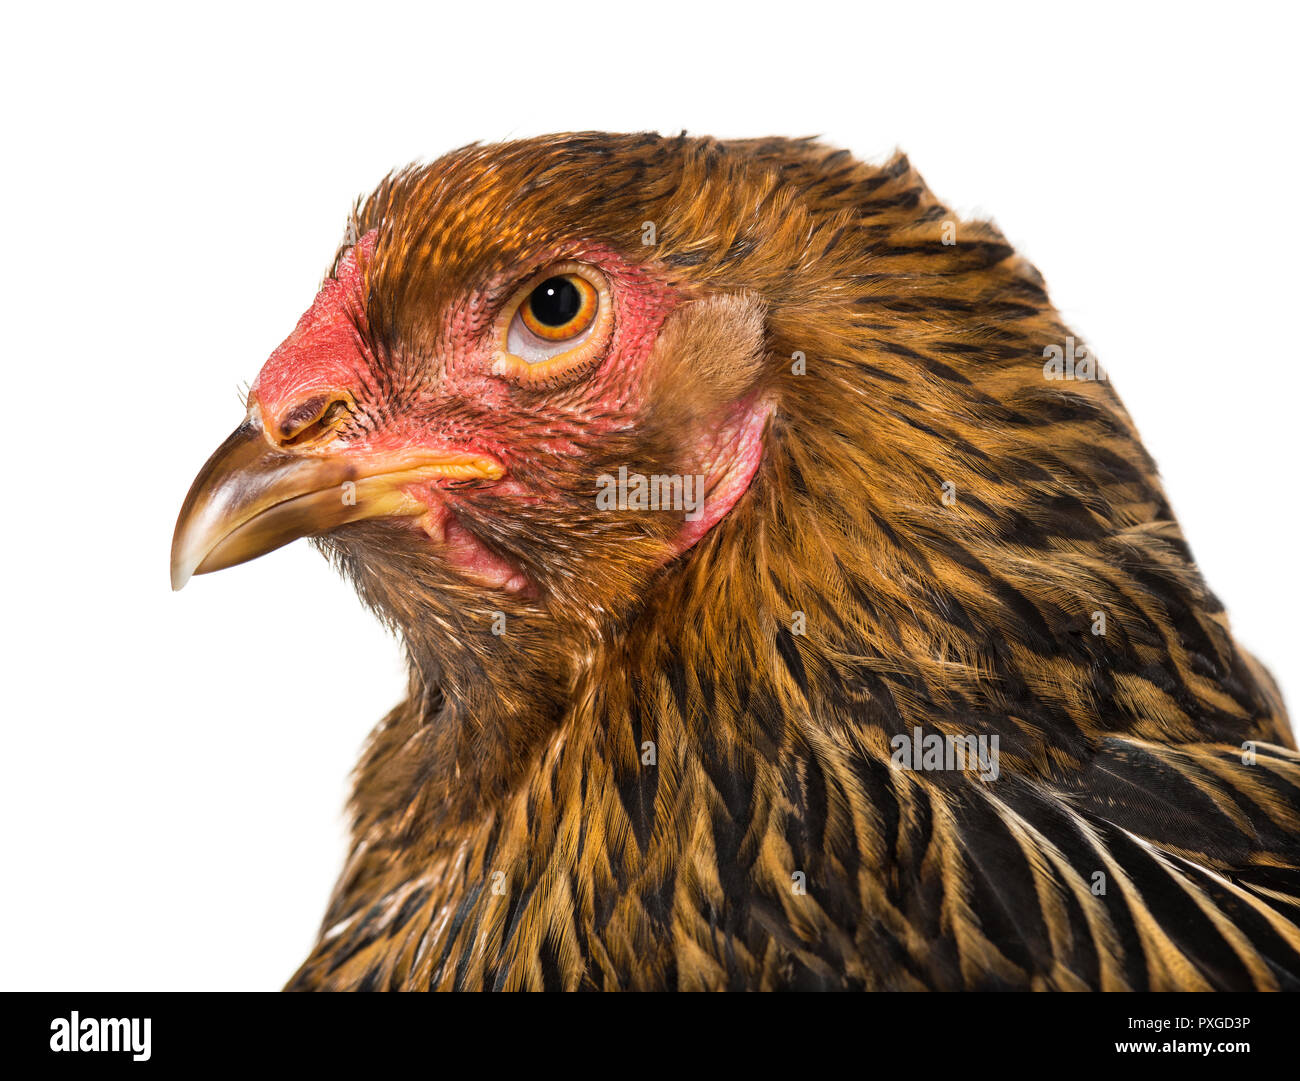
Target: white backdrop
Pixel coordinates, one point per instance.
(174, 766)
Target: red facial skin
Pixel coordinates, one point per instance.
(327, 353)
(322, 354)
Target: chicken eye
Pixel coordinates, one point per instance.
(560, 308)
(557, 326)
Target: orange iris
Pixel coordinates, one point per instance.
(560, 308)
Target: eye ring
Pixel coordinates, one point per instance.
(556, 326)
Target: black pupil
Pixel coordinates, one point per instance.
(555, 302)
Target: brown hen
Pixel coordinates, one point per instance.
(789, 603)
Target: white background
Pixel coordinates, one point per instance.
(174, 766)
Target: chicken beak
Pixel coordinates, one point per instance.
(252, 497)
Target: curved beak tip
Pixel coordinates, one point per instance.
(184, 561)
(180, 575)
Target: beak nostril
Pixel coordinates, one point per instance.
(313, 419)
